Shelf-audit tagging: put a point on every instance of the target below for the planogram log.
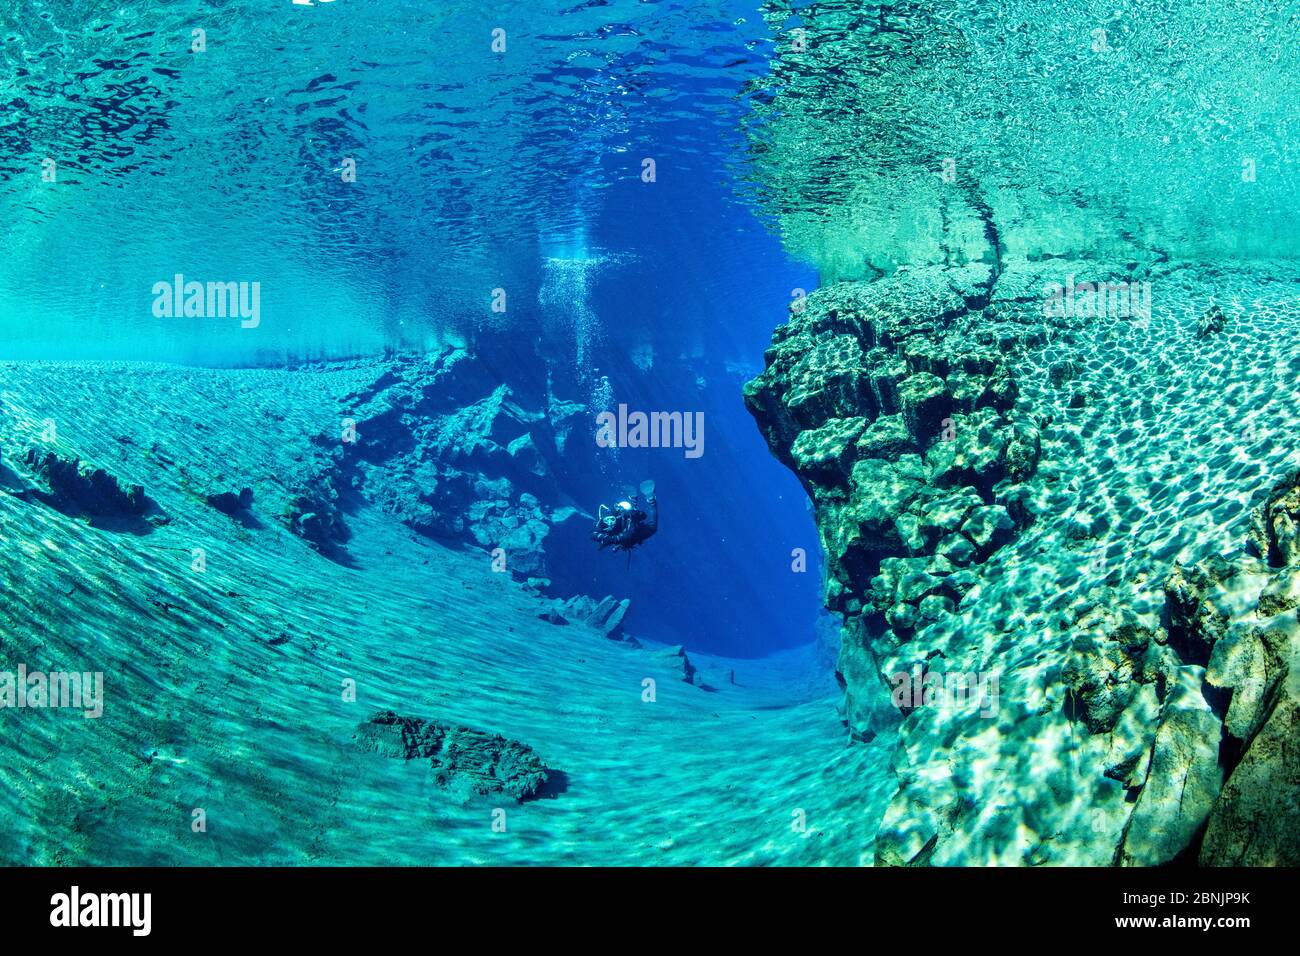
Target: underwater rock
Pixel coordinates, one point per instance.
(1275, 524)
(1183, 780)
(460, 758)
(313, 514)
(518, 529)
(1113, 656)
(1256, 820)
(483, 460)
(1211, 322)
(988, 527)
(1247, 666)
(1196, 621)
(676, 660)
(924, 401)
(231, 503)
(605, 615)
(886, 438)
(77, 487)
(856, 386)
(895, 404)
(829, 447)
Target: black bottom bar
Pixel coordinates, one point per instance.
(328, 906)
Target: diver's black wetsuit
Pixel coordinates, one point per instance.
(628, 528)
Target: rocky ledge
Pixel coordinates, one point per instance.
(1140, 716)
(899, 419)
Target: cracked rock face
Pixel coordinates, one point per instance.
(901, 428)
(1142, 710)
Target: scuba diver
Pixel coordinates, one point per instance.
(625, 525)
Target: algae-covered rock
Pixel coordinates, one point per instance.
(1248, 664)
(918, 422)
(1113, 655)
(988, 527)
(1183, 779)
(886, 437)
(314, 515)
(881, 491)
(1196, 621)
(460, 758)
(925, 401)
(80, 488)
(896, 421)
(1211, 322)
(830, 446)
(957, 548)
(1256, 820)
(1275, 524)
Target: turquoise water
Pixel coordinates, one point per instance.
(473, 168)
(984, 317)
(1134, 129)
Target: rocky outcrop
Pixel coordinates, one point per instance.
(1253, 674)
(898, 415)
(230, 502)
(605, 615)
(460, 759)
(1275, 525)
(456, 454)
(314, 513)
(1256, 819)
(674, 658)
(77, 488)
(1151, 724)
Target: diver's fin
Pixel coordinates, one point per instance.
(648, 487)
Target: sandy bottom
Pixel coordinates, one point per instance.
(224, 689)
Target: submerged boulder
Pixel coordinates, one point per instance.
(230, 502)
(1112, 657)
(460, 758)
(1183, 780)
(1275, 524)
(605, 615)
(76, 487)
(1256, 820)
(1211, 322)
(676, 660)
(313, 514)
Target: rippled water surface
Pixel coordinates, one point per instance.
(892, 133)
(212, 139)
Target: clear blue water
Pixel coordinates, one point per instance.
(468, 231)
(475, 170)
